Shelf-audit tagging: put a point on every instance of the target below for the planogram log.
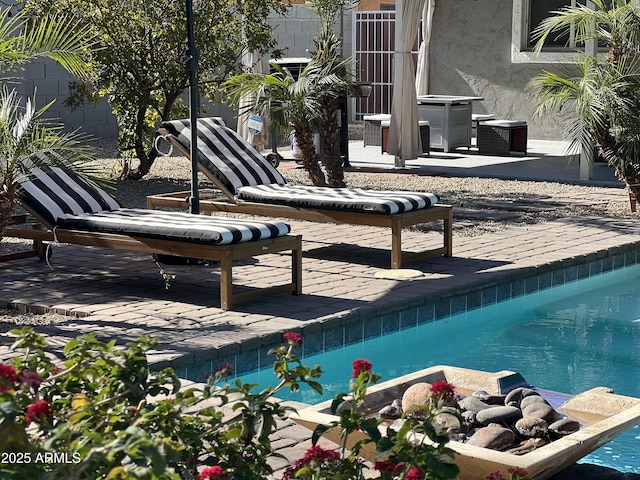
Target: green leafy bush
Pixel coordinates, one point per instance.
(102, 413)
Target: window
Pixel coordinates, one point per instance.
(527, 15)
(538, 11)
(387, 6)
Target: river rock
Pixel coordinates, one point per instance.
(526, 401)
(469, 417)
(531, 427)
(390, 412)
(416, 394)
(473, 404)
(564, 426)
(515, 396)
(527, 446)
(501, 415)
(541, 410)
(494, 437)
(447, 421)
(489, 398)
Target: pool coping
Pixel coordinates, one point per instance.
(373, 321)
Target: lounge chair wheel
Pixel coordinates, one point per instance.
(274, 159)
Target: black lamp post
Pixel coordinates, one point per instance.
(192, 68)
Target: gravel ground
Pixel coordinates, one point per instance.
(481, 204)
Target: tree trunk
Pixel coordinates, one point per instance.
(146, 158)
(7, 202)
(634, 194)
(330, 141)
(304, 138)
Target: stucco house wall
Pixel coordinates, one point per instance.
(471, 54)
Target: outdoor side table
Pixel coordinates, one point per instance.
(502, 137)
(449, 118)
(425, 136)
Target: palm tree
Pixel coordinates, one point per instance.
(329, 55)
(309, 103)
(27, 138)
(291, 103)
(599, 97)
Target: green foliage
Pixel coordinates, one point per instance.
(55, 37)
(105, 412)
(329, 12)
(140, 63)
(27, 138)
(100, 412)
(418, 449)
(307, 104)
(599, 97)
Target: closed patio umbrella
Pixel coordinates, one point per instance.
(422, 71)
(404, 132)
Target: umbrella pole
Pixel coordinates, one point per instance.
(192, 68)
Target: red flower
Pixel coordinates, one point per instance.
(209, 473)
(414, 474)
(494, 476)
(293, 338)
(38, 411)
(8, 373)
(387, 466)
(314, 455)
(442, 390)
(30, 379)
(319, 453)
(361, 365)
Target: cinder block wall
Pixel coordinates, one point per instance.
(50, 82)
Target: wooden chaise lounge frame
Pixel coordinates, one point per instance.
(210, 203)
(225, 254)
(42, 231)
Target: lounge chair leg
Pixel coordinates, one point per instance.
(226, 280)
(448, 233)
(396, 244)
(296, 267)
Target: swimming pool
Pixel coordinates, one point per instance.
(569, 338)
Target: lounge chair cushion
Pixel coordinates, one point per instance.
(180, 226)
(66, 200)
(237, 163)
(349, 199)
(54, 191)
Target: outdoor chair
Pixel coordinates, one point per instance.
(74, 210)
(251, 185)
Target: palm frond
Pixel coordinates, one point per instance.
(28, 139)
(62, 40)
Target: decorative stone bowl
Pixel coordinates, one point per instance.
(603, 415)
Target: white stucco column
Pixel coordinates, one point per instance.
(586, 161)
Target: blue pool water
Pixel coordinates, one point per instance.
(569, 339)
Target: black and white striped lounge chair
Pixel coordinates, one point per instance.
(253, 186)
(75, 210)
